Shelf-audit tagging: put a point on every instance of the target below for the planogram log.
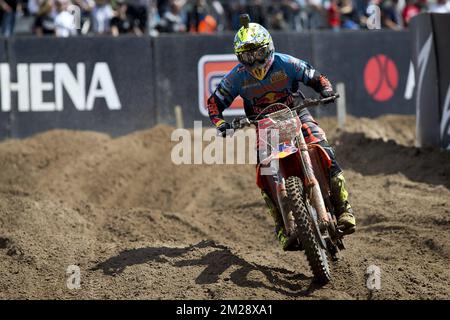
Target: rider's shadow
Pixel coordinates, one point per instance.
(216, 263)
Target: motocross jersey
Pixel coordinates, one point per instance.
(280, 85)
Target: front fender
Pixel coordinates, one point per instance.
(290, 165)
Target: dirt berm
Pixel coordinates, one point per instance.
(140, 227)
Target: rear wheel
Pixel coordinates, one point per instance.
(308, 233)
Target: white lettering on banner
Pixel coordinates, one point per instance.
(30, 87)
(107, 90)
(75, 86)
(410, 82)
(21, 87)
(422, 62)
(38, 87)
(445, 122)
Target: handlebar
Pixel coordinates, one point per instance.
(241, 122)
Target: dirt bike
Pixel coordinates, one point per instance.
(295, 175)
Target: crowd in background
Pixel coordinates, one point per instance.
(114, 17)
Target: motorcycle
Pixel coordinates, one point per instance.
(295, 176)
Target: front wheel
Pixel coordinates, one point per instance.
(308, 233)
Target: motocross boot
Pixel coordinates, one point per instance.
(287, 243)
(344, 212)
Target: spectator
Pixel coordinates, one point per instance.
(316, 14)
(102, 14)
(389, 15)
(172, 20)
(257, 11)
(207, 24)
(200, 18)
(8, 16)
(423, 5)
(218, 13)
(349, 14)
(334, 16)
(291, 10)
(86, 7)
(441, 6)
(64, 20)
(277, 21)
(138, 10)
(302, 17)
(410, 10)
(163, 6)
(123, 22)
(154, 19)
(44, 23)
(33, 7)
(233, 9)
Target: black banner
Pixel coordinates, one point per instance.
(431, 56)
(102, 84)
(441, 27)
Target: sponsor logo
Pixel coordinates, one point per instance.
(278, 76)
(33, 91)
(269, 98)
(381, 78)
(211, 70)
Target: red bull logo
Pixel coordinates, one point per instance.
(211, 70)
(269, 98)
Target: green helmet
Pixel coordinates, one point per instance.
(254, 48)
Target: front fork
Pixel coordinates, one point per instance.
(311, 183)
(280, 185)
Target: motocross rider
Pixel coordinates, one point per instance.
(264, 77)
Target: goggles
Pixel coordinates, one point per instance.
(260, 55)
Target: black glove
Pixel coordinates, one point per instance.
(222, 129)
(326, 94)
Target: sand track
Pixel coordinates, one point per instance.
(140, 227)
